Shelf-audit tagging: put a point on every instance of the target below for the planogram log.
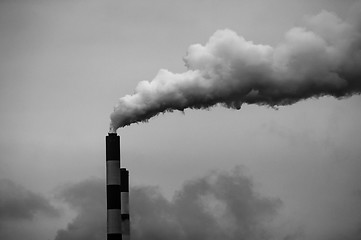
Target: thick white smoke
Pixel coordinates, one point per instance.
(321, 58)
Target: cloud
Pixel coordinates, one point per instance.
(88, 199)
(217, 206)
(320, 58)
(24, 214)
(18, 203)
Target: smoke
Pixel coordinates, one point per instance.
(320, 58)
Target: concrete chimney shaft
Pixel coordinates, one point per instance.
(124, 196)
(117, 181)
(114, 231)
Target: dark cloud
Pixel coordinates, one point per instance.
(18, 203)
(217, 206)
(22, 212)
(88, 199)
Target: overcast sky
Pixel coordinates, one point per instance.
(64, 65)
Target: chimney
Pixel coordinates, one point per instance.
(113, 187)
(124, 196)
(117, 181)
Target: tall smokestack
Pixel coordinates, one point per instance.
(124, 195)
(114, 231)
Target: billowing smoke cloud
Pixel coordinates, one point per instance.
(321, 58)
(18, 203)
(218, 206)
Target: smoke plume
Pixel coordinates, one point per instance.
(320, 58)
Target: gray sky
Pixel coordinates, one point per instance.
(64, 64)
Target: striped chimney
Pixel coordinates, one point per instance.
(114, 231)
(124, 196)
